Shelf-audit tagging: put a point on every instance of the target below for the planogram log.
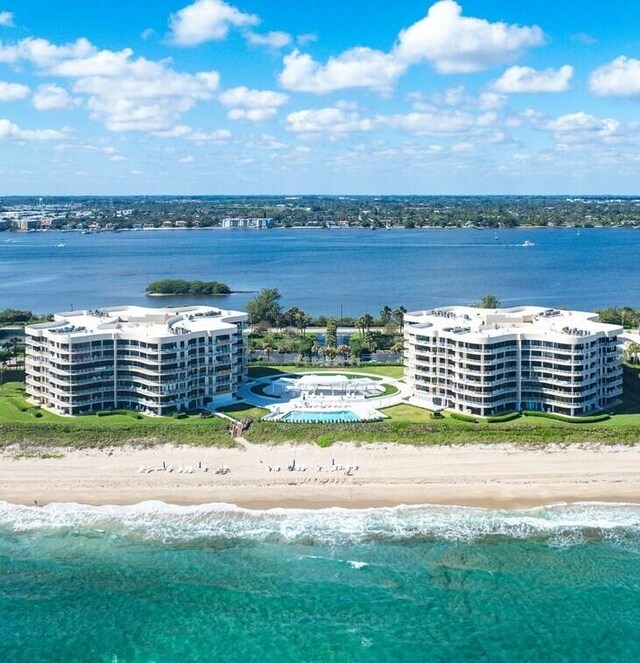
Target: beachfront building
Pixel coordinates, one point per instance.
(487, 362)
(154, 360)
(252, 223)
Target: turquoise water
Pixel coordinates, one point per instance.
(327, 271)
(324, 417)
(217, 583)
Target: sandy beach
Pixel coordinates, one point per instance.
(387, 475)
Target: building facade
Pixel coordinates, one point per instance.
(487, 362)
(155, 360)
(252, 223)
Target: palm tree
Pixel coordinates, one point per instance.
(302, 321)
(315, 348)
(632, 350)
(342, 351)
(368, 322)
(266, 351)
(398, 315)
(385, 315)
(330, 353)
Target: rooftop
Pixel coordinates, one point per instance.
(142, 321)
(489, 323)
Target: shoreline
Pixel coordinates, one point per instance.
(494, 477)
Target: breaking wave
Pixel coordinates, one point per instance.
(159, 522)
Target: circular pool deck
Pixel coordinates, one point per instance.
(315, 397)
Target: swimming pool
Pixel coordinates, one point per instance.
(337, 416)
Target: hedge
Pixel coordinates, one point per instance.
(464, 417)
(499, 418)
(590, 419)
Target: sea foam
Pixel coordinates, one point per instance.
(161, 522)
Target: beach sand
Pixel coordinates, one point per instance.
(496, 476)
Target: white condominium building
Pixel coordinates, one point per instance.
(155, 360)
(486, 362)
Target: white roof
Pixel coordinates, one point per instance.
(142, 321)
(490, 323)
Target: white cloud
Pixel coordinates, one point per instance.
(357, 67)
(51, 97)
(147, 34)
(252, 114)
(253, 105)
(117, 157)
(448, 122)
(188, 133)
(331, 120)
(307, 38)
(148, 97)
(529, 80)
(581, 122)
(452, 43)
(275, 39)
(42, 53)
(187, 159)
(619, 78)
(10, 130)
(124, 92)
(458, 44)
(216, 136)
(12, 91)
(578, 128)
(245, 97)
(6, 19)
(206, 20)
(491, 101)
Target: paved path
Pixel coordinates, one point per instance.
(243, 442)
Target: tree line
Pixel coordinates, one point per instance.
(182, 287)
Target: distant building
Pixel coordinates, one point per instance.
(252, 224)
(486, 362)
(155, 360)
(24, 224)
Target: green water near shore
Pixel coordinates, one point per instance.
(216, 583)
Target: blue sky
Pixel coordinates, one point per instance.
(257, 97)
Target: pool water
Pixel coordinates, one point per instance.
(324, 417)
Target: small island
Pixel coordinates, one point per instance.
(165, 287)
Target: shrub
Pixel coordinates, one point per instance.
(104, 413)
(324, 441)
(464, 417)
(509, 416)
(179, 415)
(588, 419)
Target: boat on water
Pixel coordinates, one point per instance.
(61, 244)
(527, 243)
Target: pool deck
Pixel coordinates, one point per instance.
(365, 408)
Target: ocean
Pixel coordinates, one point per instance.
(164, 583)
(353, 271)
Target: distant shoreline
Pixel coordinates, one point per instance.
(341, 228)
(187, 294)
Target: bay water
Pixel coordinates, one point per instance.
(352, 271)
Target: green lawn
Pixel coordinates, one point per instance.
(19, 422)
(408, 413)
(243, 410)
(405, 424)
